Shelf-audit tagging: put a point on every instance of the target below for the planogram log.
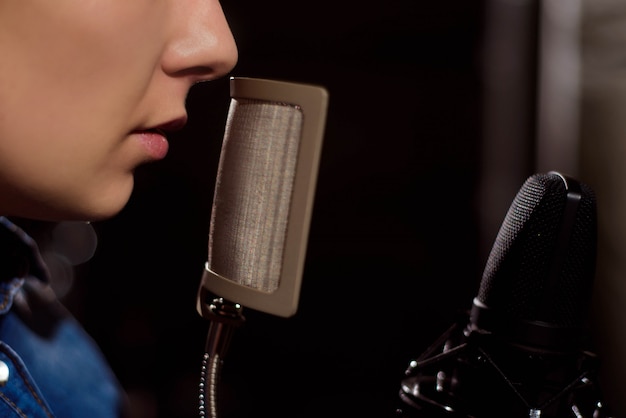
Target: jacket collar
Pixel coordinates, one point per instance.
(19, 259)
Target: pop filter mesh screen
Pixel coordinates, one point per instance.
(253, 192)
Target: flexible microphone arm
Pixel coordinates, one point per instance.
(225, 317)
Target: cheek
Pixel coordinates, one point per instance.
(47, 131)
(37, 158)
(69, 94)
(75, 106)
(59, 151)
(80, 67)
(69, 179)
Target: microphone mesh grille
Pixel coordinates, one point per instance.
(253, 192)
(518, 269)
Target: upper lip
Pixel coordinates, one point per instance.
(172, 125)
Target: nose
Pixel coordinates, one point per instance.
(201, 46)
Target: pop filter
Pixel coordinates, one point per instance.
(261, 211)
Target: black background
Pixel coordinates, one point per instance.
(393, 250)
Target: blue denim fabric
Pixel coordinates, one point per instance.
(55, 368)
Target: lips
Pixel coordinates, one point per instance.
(154, 143)
(154, 140)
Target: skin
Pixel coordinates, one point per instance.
(84, 84)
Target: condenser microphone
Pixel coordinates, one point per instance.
(536, 286)
(521, 350)
(261, 211)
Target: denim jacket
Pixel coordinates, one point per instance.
(49, 366)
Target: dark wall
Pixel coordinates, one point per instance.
(392, 253)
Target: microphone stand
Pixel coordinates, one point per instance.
(458, 377)
(225, 317)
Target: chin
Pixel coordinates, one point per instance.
(92, 208)
(78, 214)
(100, 215)
(106, 209)
(89, 202)
(108, 201)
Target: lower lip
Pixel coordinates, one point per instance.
(154, 143)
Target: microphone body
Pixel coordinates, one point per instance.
(520, 351)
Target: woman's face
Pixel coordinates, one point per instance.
(87, 88)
